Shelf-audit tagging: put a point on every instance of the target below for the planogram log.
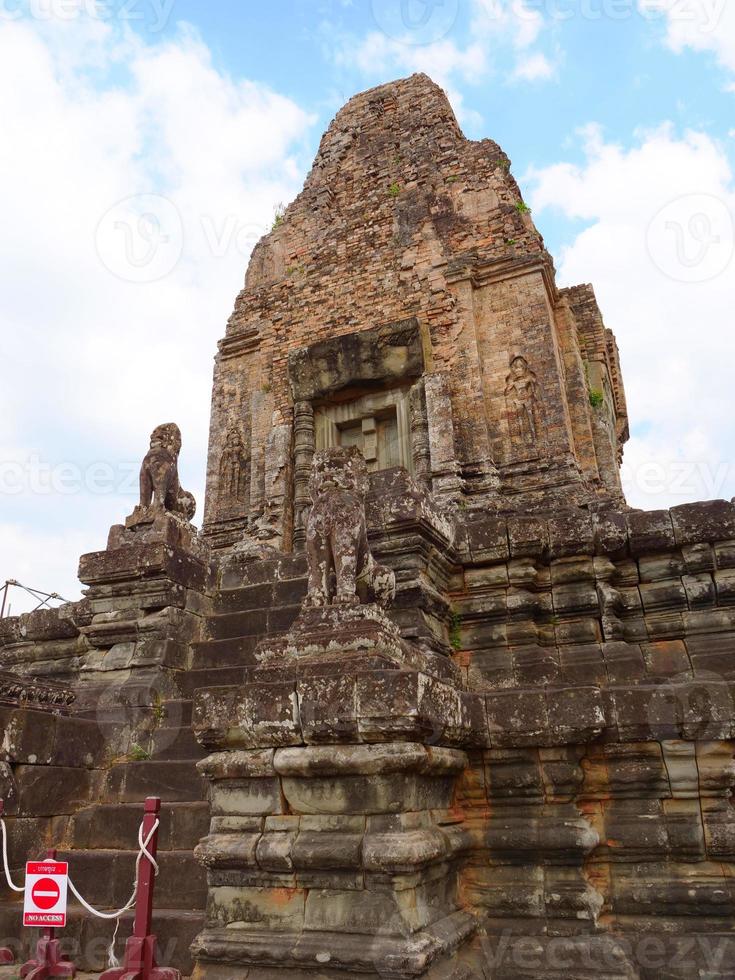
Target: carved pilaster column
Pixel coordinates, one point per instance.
(445, 476)
(420, 449)
(303, 455)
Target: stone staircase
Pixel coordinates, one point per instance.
(256, 600)
(100, 843)
(100, 840)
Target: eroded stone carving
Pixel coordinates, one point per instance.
(164, 513)
(233, 468)
(342, 570)
(522, 401)
(159, 474)
(31, 693)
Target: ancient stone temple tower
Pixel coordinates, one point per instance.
(424, 697)
(405, 303)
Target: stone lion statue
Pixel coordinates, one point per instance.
(342, 571)
(159, 474)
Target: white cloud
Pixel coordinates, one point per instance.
(534, 68)
(658, 248)
(497, 29)
(442, 59)
(513, 19)
(91, 360)
(702, 25)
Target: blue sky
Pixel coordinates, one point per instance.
(617, 115)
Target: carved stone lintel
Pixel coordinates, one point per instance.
(28, 693)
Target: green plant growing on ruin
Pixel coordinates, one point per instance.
(522, 208)
(138, 753)
(597, 398)
(455, 631)
(452, 179)
(510, 241)
(395, 189)
(278, 215)
(266, 388)
(158, 710)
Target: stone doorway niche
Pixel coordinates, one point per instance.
(378, 424)
(356, 390)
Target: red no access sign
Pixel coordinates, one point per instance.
(45, 893)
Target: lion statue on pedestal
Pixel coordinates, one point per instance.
(342, 570)
(159, 474)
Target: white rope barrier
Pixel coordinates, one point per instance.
(143, 851)
(6, 868)
(73, 889)
(112, 960)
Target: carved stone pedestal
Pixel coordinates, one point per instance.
(147, 596)
(334, 843)
(326, 857)
(151, 525)
(330, 639)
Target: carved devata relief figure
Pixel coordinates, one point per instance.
(522, 404)
(342, 571)
(233, 468)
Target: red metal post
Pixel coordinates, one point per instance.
(49, 961)
(140, 950)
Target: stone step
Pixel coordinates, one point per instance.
(179, 709)
(282, 569)
(235, 625)
(224, 653)
(221, 677)
(105, 878)
(253, 598)
(175, 744)
(172, 781)
(87, 938)
(114, 826)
